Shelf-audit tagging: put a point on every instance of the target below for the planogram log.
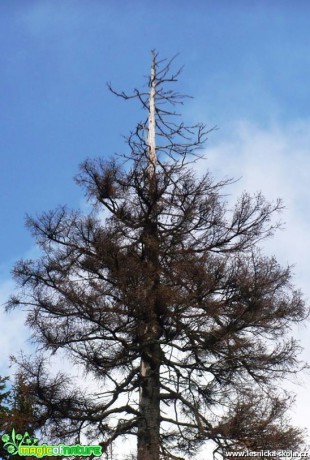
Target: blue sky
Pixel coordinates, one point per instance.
(248, 60)
(247, 64)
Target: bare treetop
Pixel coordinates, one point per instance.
(173, 138)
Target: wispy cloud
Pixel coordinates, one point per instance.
(276, 161)
(14, 334)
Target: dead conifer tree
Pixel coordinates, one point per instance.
(168, 303)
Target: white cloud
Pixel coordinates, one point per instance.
(275, 161)
(14, 334)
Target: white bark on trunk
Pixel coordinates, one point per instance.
(151, 120)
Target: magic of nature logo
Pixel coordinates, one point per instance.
(26, 445)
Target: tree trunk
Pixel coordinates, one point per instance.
(149, 402)
(149, 423)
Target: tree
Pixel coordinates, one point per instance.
(4, 394)
(168, 301)
(18, 412)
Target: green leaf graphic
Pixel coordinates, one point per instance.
(13, 435)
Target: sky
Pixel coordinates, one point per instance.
(247, 65)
